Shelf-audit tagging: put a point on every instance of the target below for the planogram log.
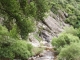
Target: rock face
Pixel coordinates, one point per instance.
(51, 26)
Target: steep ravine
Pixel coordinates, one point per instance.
(46, 30)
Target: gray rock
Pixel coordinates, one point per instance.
(44, 34)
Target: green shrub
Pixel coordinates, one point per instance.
(64, 39)
(42, 7)
(71, 7)
(74, 13)
(71, 52)
(3, 30)
(71, 30)
(22, 49)
(5, 40)
(6, 52)
(37, 50)
(12, 48)
(72, 20)
(14, 32)
(5, 43)
(18, 49)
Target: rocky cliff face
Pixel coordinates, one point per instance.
(51, 26)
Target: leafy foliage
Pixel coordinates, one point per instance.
(71, 7)
(64, 39)
(42, 7)
(18, 49)
(37, 50)
(13, 48)
(22, 13)
(71, 30)
(22, 49)
(66, 44)
(19, 18)
(71, 52)
(14, 33)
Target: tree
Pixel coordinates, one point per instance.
(22, 12)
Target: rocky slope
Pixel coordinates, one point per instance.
(51, 26)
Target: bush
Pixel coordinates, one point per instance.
(18, 49)
(62, 40)
(22, 49)
(37, 50)
(5, 43)
(12, 48)
(71, 7)
(14, 32)
(71, 30)
(6, 52)
(3, 30)
(71, 52)
(5, 40)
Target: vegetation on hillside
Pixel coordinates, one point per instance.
(23, 13)
(19, 18)
(67, 43)
(13, 48)
(71, 7)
